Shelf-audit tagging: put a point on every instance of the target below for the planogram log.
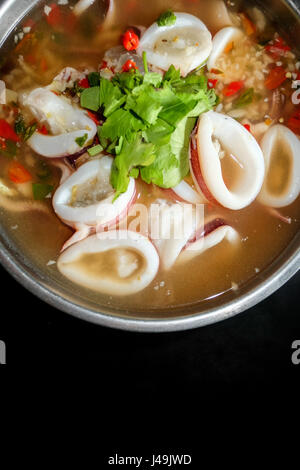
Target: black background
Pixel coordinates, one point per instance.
(253, 348)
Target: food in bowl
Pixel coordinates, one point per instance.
(150, 157)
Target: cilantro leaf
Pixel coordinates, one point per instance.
(166, 19)
(89, 98)
(110, 97)
(81, 140)
(133, 154)
(120, 123)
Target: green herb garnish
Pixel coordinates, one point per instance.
(22, 130)
(245, 99)
(41, 190)
(149, 119)
(166, 19)
(81, 140)
(94, 79)
(95, 150)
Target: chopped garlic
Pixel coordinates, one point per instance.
(47, 10)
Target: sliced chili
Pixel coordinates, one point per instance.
(130, 40)
(94, 117)
(54, 17)
(277, 48)
(43, 130)
(212, 83)
(129, 65)
(84, 83)
(7, 132)
(233, 88)
(294, 122)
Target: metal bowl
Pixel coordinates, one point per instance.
(283, 12)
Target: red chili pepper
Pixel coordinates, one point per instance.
(294, 122)
(276, 77)
(103, 65)
(129, 65)
(247, 126)
(277, 48)
(130, 40)
(43, 130)
(233, 88)
(7, 132)
(54, 17)
(84, 83)
(94, 117)
(212, 83)
(18, 174)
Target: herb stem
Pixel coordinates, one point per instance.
(145, 62)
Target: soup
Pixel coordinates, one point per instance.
(150, 158)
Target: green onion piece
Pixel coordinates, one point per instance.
(245, 99)
(81, 140)
(145, 61)
(166, 19)
(41, 190)
(95, 150)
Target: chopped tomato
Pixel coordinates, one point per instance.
(212, 83)
(248, 25)
(276, 77)
(233, 88)
(294, 122)
(277, 48)
(94, 117)
(84, 83)
(129, 65)
(7, 132)
(17, 173)
(130, 40)
(54, 17)
(247, 126)
(43, 130)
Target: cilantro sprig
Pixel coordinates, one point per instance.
(167, 18)
(149, 119)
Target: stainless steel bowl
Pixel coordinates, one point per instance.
(283, 12)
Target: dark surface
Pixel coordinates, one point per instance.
(253, 348)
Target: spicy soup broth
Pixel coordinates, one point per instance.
(38, 56)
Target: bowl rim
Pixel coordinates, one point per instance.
(22, 274)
